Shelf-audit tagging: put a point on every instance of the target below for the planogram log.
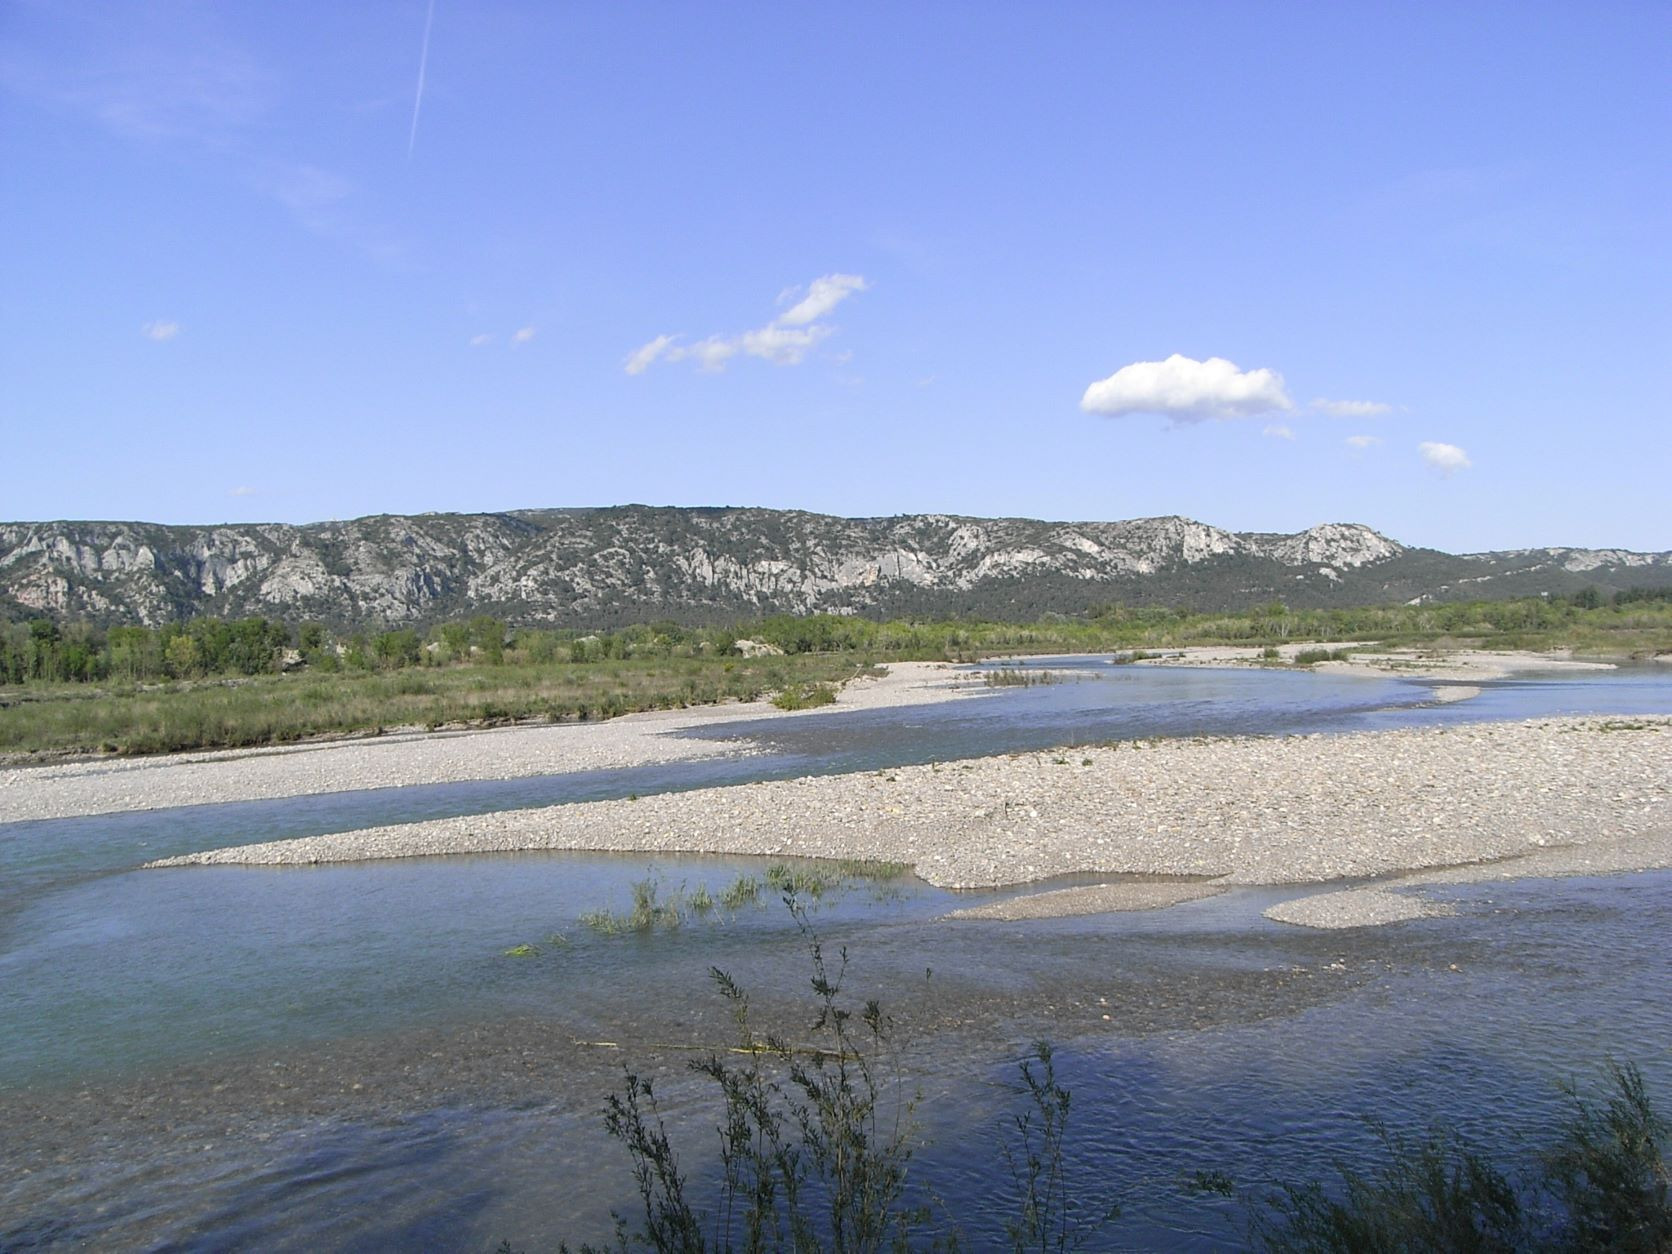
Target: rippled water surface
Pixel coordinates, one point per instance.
(347, 1056)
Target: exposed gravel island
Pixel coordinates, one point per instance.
(1248, 810)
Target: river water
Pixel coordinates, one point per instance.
(346, 1056)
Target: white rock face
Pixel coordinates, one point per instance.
(639, 562)
(1335, 544)
(1590, 559)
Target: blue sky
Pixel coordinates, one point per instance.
(1266, 265)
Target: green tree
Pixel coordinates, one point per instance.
(487, 637)
(183, 657)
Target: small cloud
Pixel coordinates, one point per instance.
(711, 354)
(1187, 390)
(781, 345)
(161, 332)
(242, 489)
(823, 295)
(477, 341)
(785, 341)
(522, 336)
(1278, 431)
(1363, 441)
(642, 358)
(928, 380)
(1448, 459)
(1351, 409)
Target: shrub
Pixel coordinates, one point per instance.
(815, 1140)
(1309, 657)
(804, 696)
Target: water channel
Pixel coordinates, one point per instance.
(347, 1056)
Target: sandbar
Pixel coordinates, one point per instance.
(1247, 810)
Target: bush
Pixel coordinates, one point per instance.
(1309, 657)
(815, 1141)
(804, 696)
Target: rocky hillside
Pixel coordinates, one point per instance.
(603, 567)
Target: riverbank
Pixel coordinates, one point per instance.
(1247, 810)
(114, 785)
(110, 785)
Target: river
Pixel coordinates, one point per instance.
(347, 1056)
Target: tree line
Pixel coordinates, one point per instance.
(44, 650)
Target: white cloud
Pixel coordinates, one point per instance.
(242, 489)
(1363, 441)
(785, 341)
(712, 353)
(823, 295)
(1352, 409)
(785, 346)
(161, 332)
(1187, 390)
(522, 336)
(1448, 459)
(477, 341)
(642, 358)
(1278, 431)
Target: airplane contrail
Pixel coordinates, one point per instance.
(418, 96)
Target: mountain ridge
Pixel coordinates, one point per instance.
(604, 566)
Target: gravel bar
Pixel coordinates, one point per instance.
(1250, 810)
(1354, 907)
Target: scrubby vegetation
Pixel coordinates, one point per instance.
(274, 709)
(78, 688)
(804, 696)
(1311, 657)
(1018, 677)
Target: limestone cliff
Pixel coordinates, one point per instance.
(630, 563)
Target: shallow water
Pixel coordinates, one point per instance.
(431, 1092)
(1232, 1044)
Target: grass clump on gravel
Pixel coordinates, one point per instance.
(804, 696)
